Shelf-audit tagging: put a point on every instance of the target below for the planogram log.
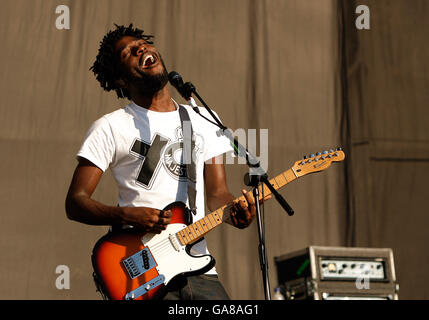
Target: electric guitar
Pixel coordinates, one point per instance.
(132, 265)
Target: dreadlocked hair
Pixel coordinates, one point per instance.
(105, 65)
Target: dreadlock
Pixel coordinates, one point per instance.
(105, 65)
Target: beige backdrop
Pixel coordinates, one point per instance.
(274, 64)
(387, 99)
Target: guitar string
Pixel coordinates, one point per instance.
(164, 245)
(165, 242)
(160, 246)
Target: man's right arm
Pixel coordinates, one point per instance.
(82, 208)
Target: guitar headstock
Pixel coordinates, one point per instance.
(317, 162)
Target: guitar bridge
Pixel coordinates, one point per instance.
(139, 263)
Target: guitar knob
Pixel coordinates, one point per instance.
(325, 152)
(305, 157)
(312, 155)
(318, 154)
(339, 149)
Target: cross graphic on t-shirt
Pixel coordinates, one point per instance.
(151, 155)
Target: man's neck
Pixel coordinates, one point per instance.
(160, 101)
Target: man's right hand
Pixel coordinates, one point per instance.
(147, 219)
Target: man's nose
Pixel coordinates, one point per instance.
(139, 50)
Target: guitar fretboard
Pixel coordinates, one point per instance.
(199, 229)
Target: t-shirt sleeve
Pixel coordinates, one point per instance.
(98, 146)
(215, 142)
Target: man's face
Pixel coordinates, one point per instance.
(141, 65)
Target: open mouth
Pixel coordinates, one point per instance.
(148, 60)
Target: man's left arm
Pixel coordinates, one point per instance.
(218, 195)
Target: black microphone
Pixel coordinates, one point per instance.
(176, 81)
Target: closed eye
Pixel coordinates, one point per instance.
(125, 53)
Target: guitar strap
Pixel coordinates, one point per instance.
(189, 157)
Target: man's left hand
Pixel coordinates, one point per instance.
(243, 212)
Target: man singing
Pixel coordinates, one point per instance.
(141, 143)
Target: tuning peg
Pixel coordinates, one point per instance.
(339, 149)
(331, 150)
(305, 157)
(325, 152)
(312, 155)
(318, 154)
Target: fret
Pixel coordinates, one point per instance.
(218, 219)
(203, 224)
(274, 183)
(280, 180)
(289, 175)
(212, 220)
(208, 222)
(219, 212)
(190, 233)
(184, 235)
(182, 238)
(194, 227)
(194, 231)
(284, 176)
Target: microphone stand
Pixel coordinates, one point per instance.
(257, 176)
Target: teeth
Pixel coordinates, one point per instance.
(148, 57)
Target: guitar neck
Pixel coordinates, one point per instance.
(199, 229)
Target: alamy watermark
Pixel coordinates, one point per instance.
(254, 140)
(363, 20)
(63, 20)
(362, 283)
(62, 282)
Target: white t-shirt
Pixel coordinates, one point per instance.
(143, 149)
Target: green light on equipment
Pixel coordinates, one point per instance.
(303, 266)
